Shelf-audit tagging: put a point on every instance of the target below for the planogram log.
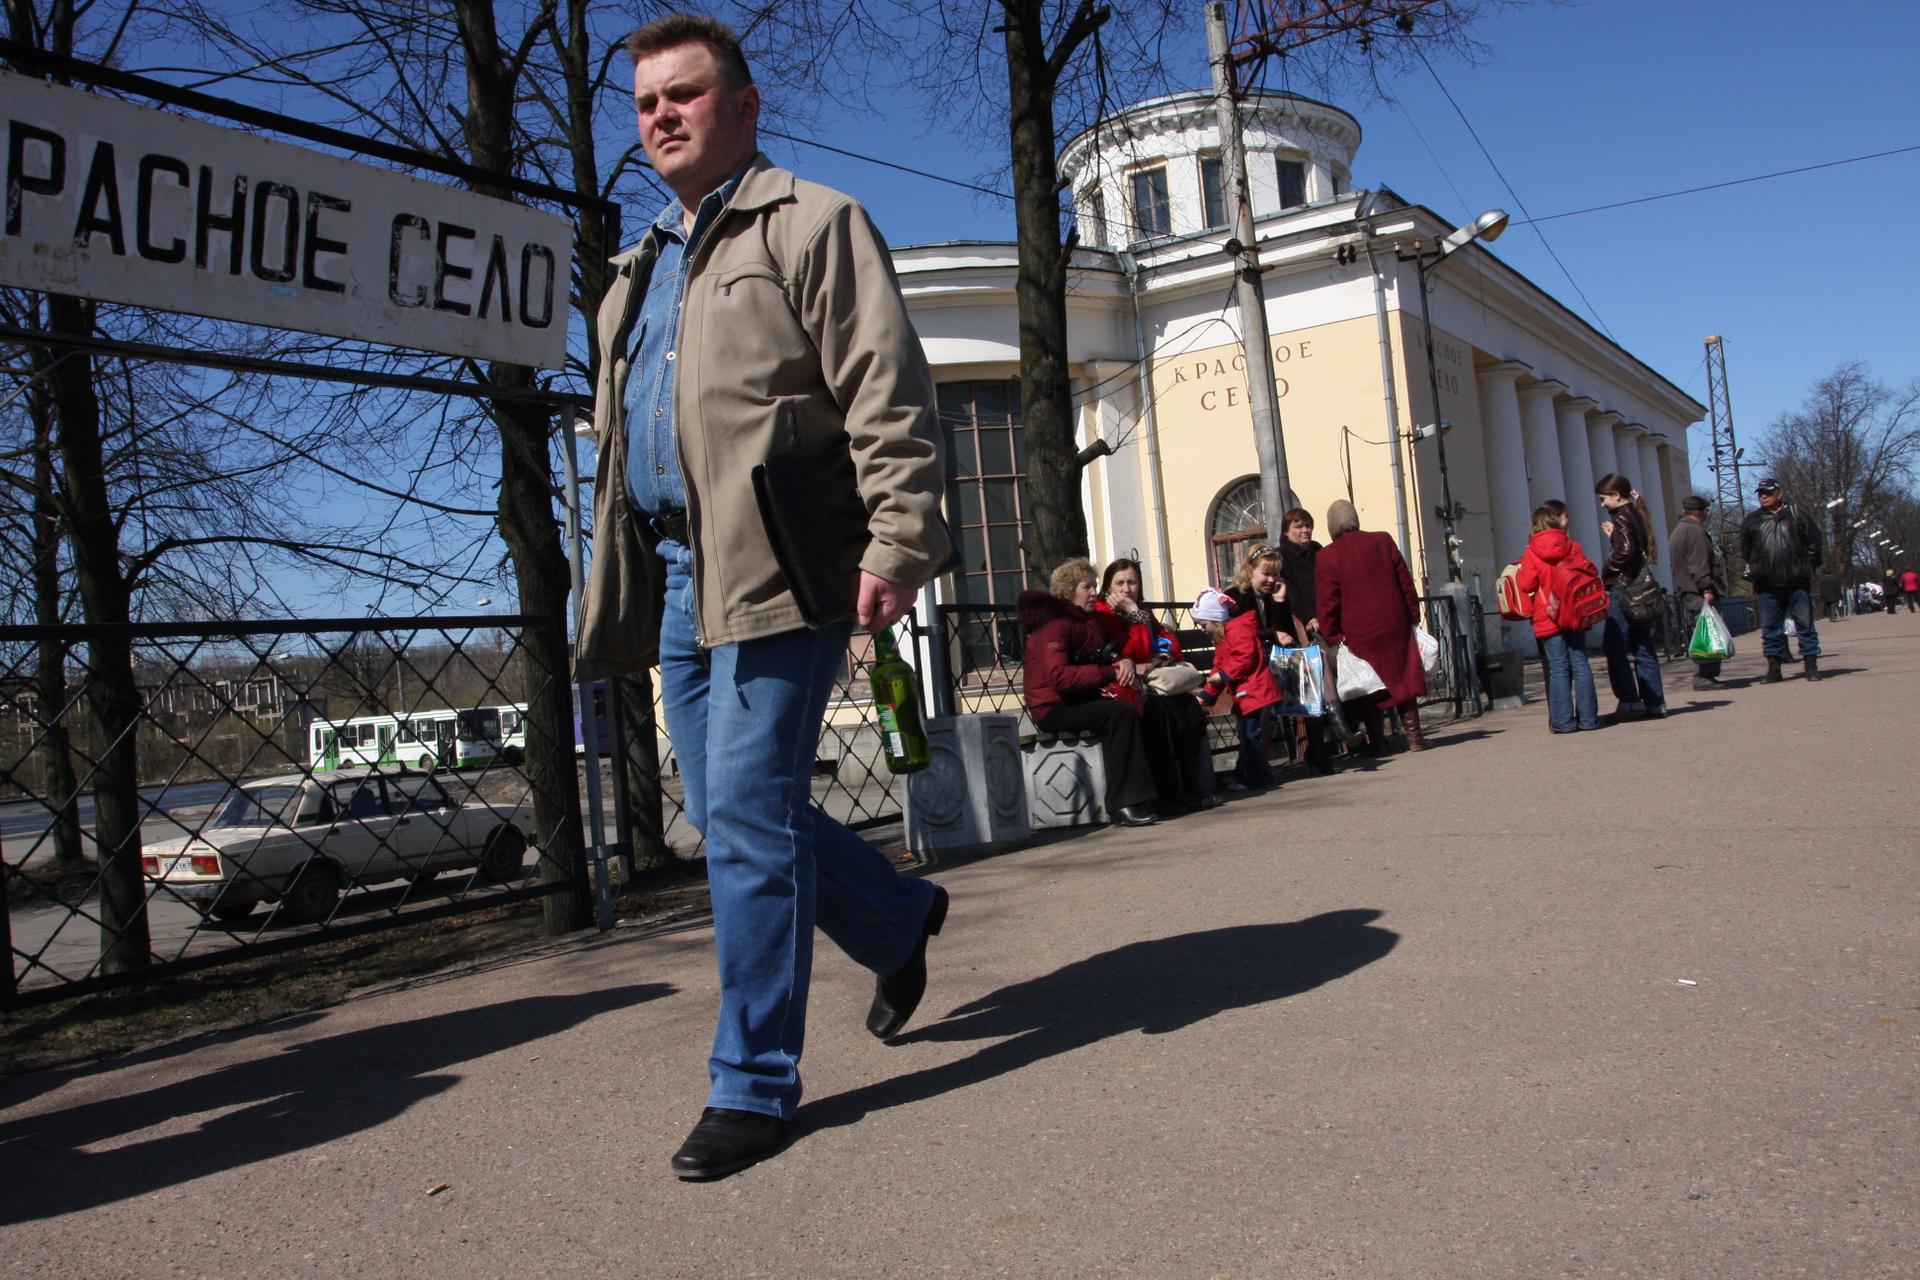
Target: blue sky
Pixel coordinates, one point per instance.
(1583, 104)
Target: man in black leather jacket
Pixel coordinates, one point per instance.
(1783, 550)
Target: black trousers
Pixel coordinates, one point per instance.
(1122, 745)
(1176, 734)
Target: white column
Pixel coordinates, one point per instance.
(1576, 463)
(1506, 457)
(1606, 459)
(1653, 487)
(1542, 431)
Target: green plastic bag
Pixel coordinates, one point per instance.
(1711, 642)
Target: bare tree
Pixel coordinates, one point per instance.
(1852, 438)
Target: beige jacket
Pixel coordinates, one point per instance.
(793, 329)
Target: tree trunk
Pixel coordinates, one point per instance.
(1046, 393)
(111, 694)
(527, 522)
(57, 781)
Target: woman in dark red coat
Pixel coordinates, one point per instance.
(1367, 602)
(1070, 666)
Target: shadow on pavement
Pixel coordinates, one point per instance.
(311, 1093)
(1153, 987)
(1696, 704)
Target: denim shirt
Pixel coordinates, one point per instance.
(654, 484)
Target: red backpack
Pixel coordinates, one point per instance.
(1572, 595)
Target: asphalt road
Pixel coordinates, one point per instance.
(1637, 1003)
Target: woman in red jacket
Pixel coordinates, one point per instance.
(1551, 556)
(1176, 723)
(1069, 667)
(1368, 603)
(1240, 664)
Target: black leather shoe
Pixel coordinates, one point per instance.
(1134, 815)
(727, 1141)
(896, 995)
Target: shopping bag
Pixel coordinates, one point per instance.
(1711, 642)
(1301, 675)
(1429, 651)
(1353, 676)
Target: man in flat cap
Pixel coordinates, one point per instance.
(1696, 577)
(1783, 549)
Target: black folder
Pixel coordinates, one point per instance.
(817, 522)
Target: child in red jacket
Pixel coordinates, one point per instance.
(1552, 567)
(1240, 663)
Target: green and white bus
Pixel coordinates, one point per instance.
(441, 739)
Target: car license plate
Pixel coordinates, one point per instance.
(182, 864)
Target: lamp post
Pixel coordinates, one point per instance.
(1487, 226)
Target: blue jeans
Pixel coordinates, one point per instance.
(1777, 604)
(744, 720)
(1633, 668)
(1571, 701)
(1252, 768)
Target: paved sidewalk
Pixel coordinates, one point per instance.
(1636, 1003)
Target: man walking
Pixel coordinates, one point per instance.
(1782, 547)
(1696, 577)
(759, 313)
(1910, 587)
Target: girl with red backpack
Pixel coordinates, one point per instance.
(1567, 599)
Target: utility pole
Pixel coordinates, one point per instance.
(1283, 25)
(1249, 299)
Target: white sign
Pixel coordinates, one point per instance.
(125, 203)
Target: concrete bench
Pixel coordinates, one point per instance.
(1066, 778)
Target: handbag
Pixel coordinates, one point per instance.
(1176, 678)
(1643, 599)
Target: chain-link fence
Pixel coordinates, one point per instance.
(176, 795)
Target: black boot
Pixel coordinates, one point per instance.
(1812, 667)
(1773, 675)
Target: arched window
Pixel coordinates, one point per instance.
(1237, 521)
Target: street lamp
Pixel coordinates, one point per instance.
(1487, 226)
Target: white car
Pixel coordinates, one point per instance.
(302, 839)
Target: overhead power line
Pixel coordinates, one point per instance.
(888, 164)
(1494, 165)
(1718, 186)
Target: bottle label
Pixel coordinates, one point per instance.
(890, 732)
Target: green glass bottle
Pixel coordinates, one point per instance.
(896, 698)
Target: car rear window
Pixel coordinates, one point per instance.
(258, 807)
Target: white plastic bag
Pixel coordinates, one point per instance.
(1711, 641)
(1353, 676)
(1429, 651)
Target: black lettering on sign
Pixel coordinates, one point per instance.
(444, 270)
(206, 221)
(19, 181)
(318, 244)
(529, 291)
(151, 167)
(402, 224)
(264, 195)
(496, 270)
(102, 184)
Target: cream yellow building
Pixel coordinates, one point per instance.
(1539, 402)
